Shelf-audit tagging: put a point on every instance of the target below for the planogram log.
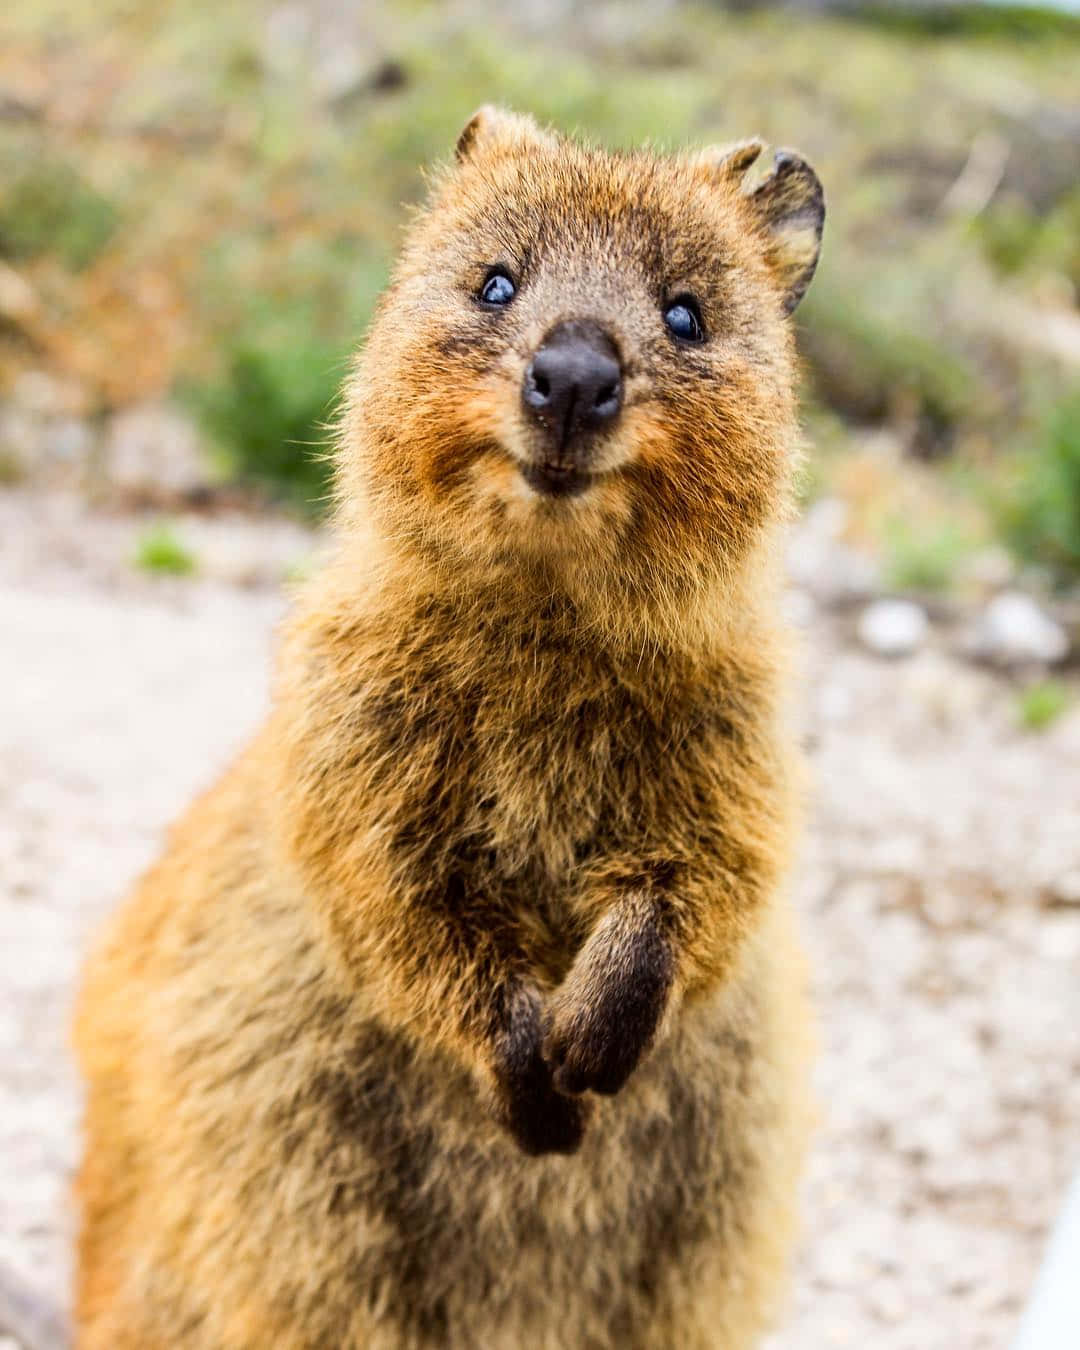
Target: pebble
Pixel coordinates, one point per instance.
(38, 392)
(1014, 631)
(1065, 890)
(893, 627)
(827, 518)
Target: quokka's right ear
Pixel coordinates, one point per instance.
(789, 203)
(491, 128)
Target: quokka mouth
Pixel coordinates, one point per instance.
(557, 480)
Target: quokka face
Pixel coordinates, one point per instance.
(596, 354)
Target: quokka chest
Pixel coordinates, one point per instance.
(534, 778)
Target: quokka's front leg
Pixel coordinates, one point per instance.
(606, 1013)
(528, 1101)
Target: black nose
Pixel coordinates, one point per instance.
(574, 382)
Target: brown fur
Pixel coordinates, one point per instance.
(464, 1010)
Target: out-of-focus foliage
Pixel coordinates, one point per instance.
(205, 199)
(1041, 704)
(1042, 511)
(1012, 22)
(267, 410)
(45, 207)
(868, 361)
(1019, 239)
(922, 556)
(160, 550)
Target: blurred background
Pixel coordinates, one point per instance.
(198, 206)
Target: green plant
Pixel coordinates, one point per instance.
(867, 364)
(11, 468)
(1041, 704)
(49, 208)
(1041, 515)
(161, 551)
(1011, 22)
(268, 414)
(922, 557)
(1016, 237)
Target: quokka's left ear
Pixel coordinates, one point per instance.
(789, 204)
(490, 129)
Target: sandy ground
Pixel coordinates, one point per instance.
(933, 888)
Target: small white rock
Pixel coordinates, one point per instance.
(38, 392)
(1014, 631)
(893, 627)
(1065, 890)
(827, 518)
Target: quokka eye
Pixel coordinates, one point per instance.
(683, 319)
(498, 289)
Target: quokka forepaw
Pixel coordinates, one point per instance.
(607, 1011)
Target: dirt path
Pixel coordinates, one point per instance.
(946, 971)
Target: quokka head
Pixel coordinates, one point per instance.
(583, 363)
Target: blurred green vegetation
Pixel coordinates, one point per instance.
(1041, 510)
(46, 207)
(1015, 22)
(1041, 704)
(923, 556)
(267, 413)
(160, 550)
(870, 363)
(243, 174)
(1017, 238)
(267, 405)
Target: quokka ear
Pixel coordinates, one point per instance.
(732, 161)
(497, 128)
(789, 204)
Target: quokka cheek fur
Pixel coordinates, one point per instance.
(466, 1008)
